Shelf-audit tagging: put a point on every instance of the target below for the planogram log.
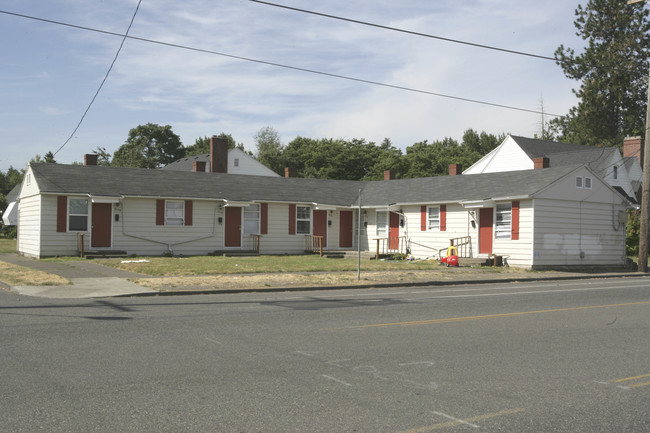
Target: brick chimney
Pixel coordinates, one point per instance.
(455, 169)
(90, 159)
(541, 162)
(199, 166)
(389, 175)
(218, 154)
(290, 172)
(632, 146)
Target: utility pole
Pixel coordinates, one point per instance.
(645, 192)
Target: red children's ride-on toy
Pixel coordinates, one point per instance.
(451, 258)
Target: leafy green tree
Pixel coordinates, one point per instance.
(612, 70)
(49, 158)
(103, 157)
(269, 148)
(149, 146)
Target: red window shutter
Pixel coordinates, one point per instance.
(423, 218)
(264, 218)
(515, 221)
(443, 217)
(189, 212)
(160, 212)
(61, 213)
(292, 219)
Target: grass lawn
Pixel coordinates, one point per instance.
(211, 265)
(7, 245)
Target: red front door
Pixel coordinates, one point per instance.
(233, 227)
(100, 233)
(485, 222)
(345, 229)
(320, 225)
(393, 232)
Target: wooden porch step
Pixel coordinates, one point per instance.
(238, 253)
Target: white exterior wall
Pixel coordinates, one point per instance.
(136, 231)
(508, 156)
(427, 243)
(622, 177)
(518, 252)
(29, 227)
(246, 164)
(578, 234)
(278, 240)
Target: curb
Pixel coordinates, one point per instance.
(373, 286)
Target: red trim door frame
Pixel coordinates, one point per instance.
(100, 228)
(485, 230)
(393, 231)
(320, 225)
(345, 229)
(232, 235)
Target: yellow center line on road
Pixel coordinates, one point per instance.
(496, 316)
(638, 385)
(464, 421)
(625, 379)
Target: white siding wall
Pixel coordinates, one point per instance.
(137, 233)
(519, 252)
(278, 240)
(246, 164)
(508, 156)
(622, 179)
(29, 228)
(427, 243)
(54, 243)
(578, 233)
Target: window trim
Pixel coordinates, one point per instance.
(302, 231)
(175, 218)
(579, 182)
(381, 230)
(71, 214)
(433, 223)
(587, 182)
(503, 228)
(248, 211)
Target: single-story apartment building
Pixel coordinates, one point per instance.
(549, 216)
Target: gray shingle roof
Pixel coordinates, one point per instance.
(535, 148)
(187, 164)
(119, 181)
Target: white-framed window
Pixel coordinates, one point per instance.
(252, 219)
(615, 172)
(578, 181)
(78, 214)
(174, 212)
(382, 223)
(433, 218)
(503, 228)
(587, 183)
(303, 220)
(236, 162)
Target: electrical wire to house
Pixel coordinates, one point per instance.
(290, 67)
(110, 68)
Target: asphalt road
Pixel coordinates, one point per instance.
(530, 357)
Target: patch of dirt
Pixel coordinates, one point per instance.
(15, 275)
(316, 279)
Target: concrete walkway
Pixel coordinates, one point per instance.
(88, 279)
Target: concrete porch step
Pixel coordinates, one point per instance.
(105, 254)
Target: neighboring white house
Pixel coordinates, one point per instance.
(222, 160)
(519, 153)
(557, 216)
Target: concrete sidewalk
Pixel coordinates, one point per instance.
(88, 279)
(91, 280)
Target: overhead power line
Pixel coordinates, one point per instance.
(280, 65)
(410, 32)
(103, 81)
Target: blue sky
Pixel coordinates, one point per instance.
(49, 73)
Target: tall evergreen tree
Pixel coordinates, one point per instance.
(613, 71)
